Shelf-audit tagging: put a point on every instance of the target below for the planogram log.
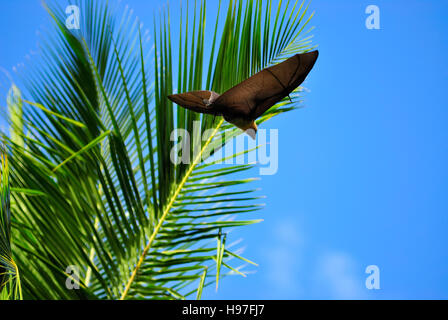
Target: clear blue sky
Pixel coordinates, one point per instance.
(362, 174)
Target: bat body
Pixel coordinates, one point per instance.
(245, 102)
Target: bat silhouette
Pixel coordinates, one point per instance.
(245, 102)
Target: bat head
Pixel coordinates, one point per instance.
(248, 126)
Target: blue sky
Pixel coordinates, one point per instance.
(362, 174)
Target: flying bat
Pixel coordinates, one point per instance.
(248, 100)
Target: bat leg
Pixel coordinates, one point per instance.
(289, 98)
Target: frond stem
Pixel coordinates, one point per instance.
(166, 211)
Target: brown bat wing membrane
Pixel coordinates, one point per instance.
(255, 95)
(197, 101)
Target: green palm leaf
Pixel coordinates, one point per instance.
(94, 183)
(9, 274)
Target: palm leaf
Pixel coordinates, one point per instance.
(9, 274)
(94, 181)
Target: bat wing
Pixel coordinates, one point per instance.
(254, 96)
(197, 101)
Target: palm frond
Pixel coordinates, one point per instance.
(10, 287)
(94, 181)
